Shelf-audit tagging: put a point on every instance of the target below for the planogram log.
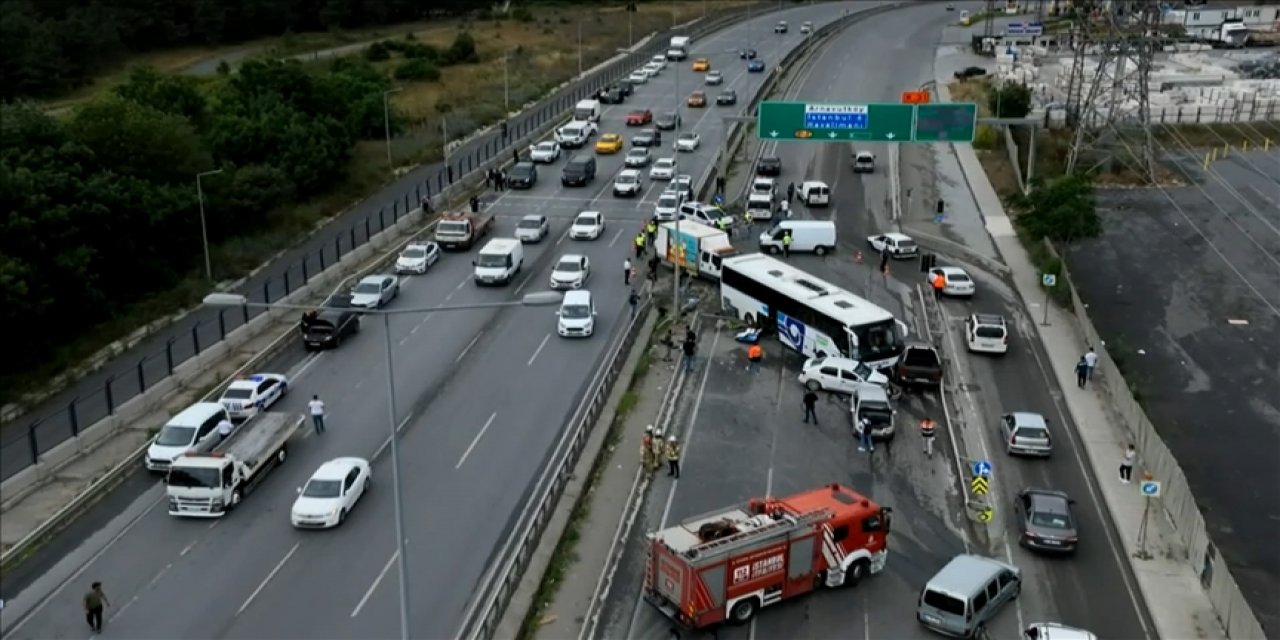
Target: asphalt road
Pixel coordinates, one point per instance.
(482, 398)
(1188, 294)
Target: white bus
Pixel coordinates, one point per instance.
(811, 316)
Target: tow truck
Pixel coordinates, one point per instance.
(726, 565)
(208, 485)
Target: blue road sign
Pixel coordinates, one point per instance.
(1150, 488)
(718, 198)
(1048, 279)
(982, 468)
(938, 218)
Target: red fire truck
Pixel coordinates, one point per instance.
(725, 565)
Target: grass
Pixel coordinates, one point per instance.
(565, 554)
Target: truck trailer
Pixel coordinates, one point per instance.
(724, 566)
(208, 485)
(462, 230)
(697, 248)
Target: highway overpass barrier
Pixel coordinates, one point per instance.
(202, 342)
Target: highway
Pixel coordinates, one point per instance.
(744, 436)
(482, 395)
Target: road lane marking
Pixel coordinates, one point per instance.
(306, 365)
(539, 349)
(468, 348)
(693, 422)
(187, 549)
(616, 236)
(262, 585)
(476, 440)
(376, 581)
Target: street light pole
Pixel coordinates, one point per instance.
(542, 298)
(204, 227)
(386, 119)
(579, 46)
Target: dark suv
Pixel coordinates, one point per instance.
(523, 176)
(579, 171)
(919, 365)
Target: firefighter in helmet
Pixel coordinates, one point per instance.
(646, 448)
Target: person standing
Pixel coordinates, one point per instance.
(657, 450)
(515, 156)
(626, 272)
(927, 430)
(489, 182)
(864, 437)
(755, 354)
(634, 301)
(653, 268)
(94, 603)
(786, 244)
(791, 192)
(810, 406)
(475, 204)
(651, 230)
(1091, 360)
(690, 350)
(939, 282)
(748, 220)
(1126, 465)
(224, 429)
(673, 458)
(646, 449)
(720, 185)
(1082, 372)
(317, 413)
(786, 210)
(639, 245)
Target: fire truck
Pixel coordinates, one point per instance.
(725, 565)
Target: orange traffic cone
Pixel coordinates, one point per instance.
(857, 258)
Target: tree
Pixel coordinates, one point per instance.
(1011, 100)
(377, 52)
(176, 95)
(1062, 209)
(128, 138)
(32, 63)
(462, 51)
(417, 70)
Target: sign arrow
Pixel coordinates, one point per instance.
(773, 134)
(832, 135)
(890, 135)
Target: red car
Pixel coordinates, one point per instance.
(639, 118)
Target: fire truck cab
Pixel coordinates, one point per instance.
(725, 565)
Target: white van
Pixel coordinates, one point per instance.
(577, 315)
(588, 110)
(760, 206)
(499, 261)
(818, 236)
(195, 429)
(815, 193)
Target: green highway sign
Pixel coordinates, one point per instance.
(872, 122)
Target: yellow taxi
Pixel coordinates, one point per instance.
(697, 99)
(609, 143)
(701, 64)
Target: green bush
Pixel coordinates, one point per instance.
(417, 70)
(462, 51)
(415, 51)
(377, 52)
(1012, 100)
(986, 137)
(1062, 209)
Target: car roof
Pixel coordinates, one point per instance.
(629, 172)
(953, 270)
(989, 318)
(1028, 419)
(588, 213)
(835, 360)
(668, 160)
(376, 278)
(534, 216)
(1049, 501)
(337, 468)
(579, 296)
(243, 383)
(897, 236)
(570, 256)
(419, 245)
(547, 143)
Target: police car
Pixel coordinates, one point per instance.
(250, 395)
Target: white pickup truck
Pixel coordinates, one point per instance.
(576, 134)
(208, 485)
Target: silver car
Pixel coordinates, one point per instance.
(638, 157)
(1045, 522)
(1026, 434)
(374, 291)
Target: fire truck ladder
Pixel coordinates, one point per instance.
(786, 522)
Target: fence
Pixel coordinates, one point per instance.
(132, 374)
(1176, 498)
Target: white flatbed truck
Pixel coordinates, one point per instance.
(208, 485)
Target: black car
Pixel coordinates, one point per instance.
(612, 95)
(625, 87)
(970, 72)
(667, 121)
(747, 54)
(647, 138)
(326, 328)
(522, 176)
(769, 166)
(727, 97)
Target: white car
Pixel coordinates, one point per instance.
(639, 76)
(627, 183)
(571, 272)
(659, 60)
(417, 257)
(668, 206)
(638, 157)
(840, 375)
(864, 162)
(245, 397)
(1055, 631)
(331, 493)
(532, 228)
(587, 226)
(663, 169)
(986, 333)
(688, 141)
(899, 245)
(653, 69)
(683, 183)
(955, 281)
(576, 134)
(713, 77)
(763, 185)
(545, 152)
(372, 292)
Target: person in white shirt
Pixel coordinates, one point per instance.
(1126, 465)
(317, 413)
(224, 429)
(1091, 361)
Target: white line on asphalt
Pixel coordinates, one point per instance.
(306, 364)
(615, 237)
(376, 581)
(216, 522)
(386, 443)
(468, 348)
(866, 625)
(187, 549)
(538, 350)
(462, 284)
(527, 278)
(262, 585)
(476, 440)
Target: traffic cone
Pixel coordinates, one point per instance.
(857, 258)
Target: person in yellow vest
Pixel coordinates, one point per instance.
(646, 448)
(673, 457)
(748, 219)
(786, 244)
(640, 244)
(927, 430)
(651, 230)
(722, 224)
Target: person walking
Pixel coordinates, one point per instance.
(475, 204)
(720, 185)
(865, 443)
(810, 406)
(1082, 372)
(94, 603)
(489, 181)
(1091, 360)
(317, 413)
(673, 458)
(791, 192)
(786, 244)
(690, 350)
(225, 428)
(939, 283)
(652, 273)
(626, 272)
(646, 449)
(755, 354)
(785, 208)
(927, 430)
(651, 230)
(634, 301)
(1126, 465)
(426, 205)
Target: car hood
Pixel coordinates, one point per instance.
(576, 323)
(161, 452)
(314, 506)
(657, 168)
(579, 228)
(410, 262)
(527, 231)
(878, 378)
(686, 142)
(567, 276)
(364, 299)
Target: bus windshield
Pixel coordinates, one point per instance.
(878, 341)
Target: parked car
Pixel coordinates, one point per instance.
(970, 72)
(919, 365)
(898, 245)
(955, 281)
(1045, 521)
(372, 292)
(840, 375)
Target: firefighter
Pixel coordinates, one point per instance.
(748, 220)
(646, 448)
(673, 458)
(656, 450)
(927, 432)
(640, 244)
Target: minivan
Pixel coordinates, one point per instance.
(814, 193)
(499, 261)
(588, 110)
(194, 429)
(818, 236)
(579, 171)
(870, 408)
(577, 315)
(965, 594)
